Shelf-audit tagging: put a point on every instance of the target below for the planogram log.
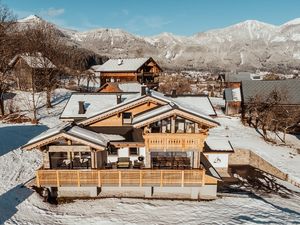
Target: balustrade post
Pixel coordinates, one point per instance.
(57, 179)
(182, 178)
(120, 179)
(37, 179)
(161, 178)
(141, 178)
(78, 178)
(99, 178)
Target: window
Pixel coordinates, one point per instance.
(112, 150)
(59, 160)
(133, 151)
(127, 117)
(81, 160)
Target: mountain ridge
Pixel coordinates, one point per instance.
(248, 45)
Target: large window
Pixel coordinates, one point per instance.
(59, 160)
(65, 160)
(81, 160)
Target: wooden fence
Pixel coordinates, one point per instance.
(121, 178)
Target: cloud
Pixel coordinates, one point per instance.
(55, 12)
(52, 12)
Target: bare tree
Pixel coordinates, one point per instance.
(270, 114)
(8, 48)
(176, 82)
(43, 42)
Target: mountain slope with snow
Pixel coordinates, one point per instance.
(248, 45)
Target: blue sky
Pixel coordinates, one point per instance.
(181, 17)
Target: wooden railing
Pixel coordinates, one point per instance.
(174, 142)
(141, 178)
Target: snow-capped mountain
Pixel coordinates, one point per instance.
(248, 45)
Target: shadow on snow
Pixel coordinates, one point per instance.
(11, 199)
(12, 137)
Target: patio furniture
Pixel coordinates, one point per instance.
(123, 162)
(138, 164)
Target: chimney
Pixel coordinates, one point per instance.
(173, 95)
(119, 99)
(120, 62)
(81, 107)
(143, 90)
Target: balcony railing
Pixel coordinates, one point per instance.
(174, 142)
(120, 178)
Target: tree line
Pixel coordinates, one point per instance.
(40, 40)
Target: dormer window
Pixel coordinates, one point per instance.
(127, 117)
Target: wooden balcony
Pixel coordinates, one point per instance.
(121, 178)
(175, 142)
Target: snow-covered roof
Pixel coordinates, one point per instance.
(75, 131)
(118, 65)
(94, 103)
(88, 135)
(203, 108)
(218, 145)
(36, 62)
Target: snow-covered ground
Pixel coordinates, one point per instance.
(286, 158)
(20, 205)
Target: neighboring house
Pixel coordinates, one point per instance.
(29, 70)
(232, 93)
(142, 70)
(120, 87)
(139, 144)
(233, 80)
(236, 99)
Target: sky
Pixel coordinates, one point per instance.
(147, 18)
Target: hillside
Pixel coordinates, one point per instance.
(248, 45)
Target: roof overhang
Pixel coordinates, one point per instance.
(178, 112)
(48, 140)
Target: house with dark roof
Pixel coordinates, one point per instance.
(142, 144)
(29, 70)
(142, 70)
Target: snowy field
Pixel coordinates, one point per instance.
(21, 205)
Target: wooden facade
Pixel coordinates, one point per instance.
(146, 74)
(168, 153)
(27, 77)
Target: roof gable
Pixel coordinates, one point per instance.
(170, 110)
(123, 65)
(35, 62)
(68, 131)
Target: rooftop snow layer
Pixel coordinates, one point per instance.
(93, 103)
(217, 144)
(35, 62)
(121, 65)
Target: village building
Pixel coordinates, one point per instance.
(142, 144)
(29, 71)
(236, 99)
(142, 70)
